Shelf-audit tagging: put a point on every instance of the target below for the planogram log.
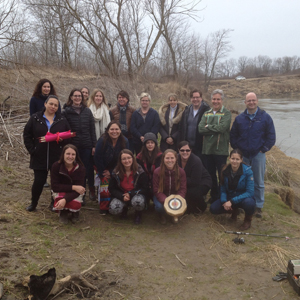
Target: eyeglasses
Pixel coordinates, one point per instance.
(185, 150)
(77, 96)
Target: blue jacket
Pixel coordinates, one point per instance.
(244, 189)
(139, 127)
(253, 136)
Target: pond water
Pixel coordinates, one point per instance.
(285, 113)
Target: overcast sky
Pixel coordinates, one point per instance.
(261, 27)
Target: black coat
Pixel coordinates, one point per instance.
(84, 126)
(141, 185)
(183, 125)
(196, 174)
(43, 155)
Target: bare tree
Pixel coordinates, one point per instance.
(216, 46)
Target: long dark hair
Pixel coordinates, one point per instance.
(77, 159)
(163, 169)
(70, 101)
(120, 168)
(145, 157)
(38, 88)
(106, 136)
(234, 151)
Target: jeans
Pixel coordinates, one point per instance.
(159, 207)
(258, 164)
(214, 163)
(247, 204)
(85, 156)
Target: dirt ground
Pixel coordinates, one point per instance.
(193, 260)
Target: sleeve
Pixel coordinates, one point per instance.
(194, 178)
(182, 189)
(270, 136)
(161, 197)
(223, 192)
(234, 134)
(223, 126)
(28, 136)
(92, 128)
(133, 126)
(32, 108)
(114, 189)
(249, 189)
(163, 133)
(98, 157)
(156, 123)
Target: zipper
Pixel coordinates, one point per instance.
(170, 180)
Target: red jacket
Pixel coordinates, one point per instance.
(169, 186)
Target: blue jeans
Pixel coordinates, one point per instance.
(158, 206)
(247, 204)
(258, 164)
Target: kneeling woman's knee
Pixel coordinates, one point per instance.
(116, 206)
(138, 202)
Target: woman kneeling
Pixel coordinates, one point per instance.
(67, 184)
(237, 190)
(128, 187)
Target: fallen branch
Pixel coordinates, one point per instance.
(180, 260)
(6, 131)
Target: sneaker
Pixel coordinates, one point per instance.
(103, 212)
(258, 212)
(46, 184)
(31, 207)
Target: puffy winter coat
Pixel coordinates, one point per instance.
(84, 126)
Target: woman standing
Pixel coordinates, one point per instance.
(67, 180)
(170, 116)
(168, 179)
(99, 108)
(85, 93)
(145, 119)
(81, 121)
(198, 180)
(42, 90)
(149, 158)
(43, 155)
(108, 148)
(128, 187)
(237, 190)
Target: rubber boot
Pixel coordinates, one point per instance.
(137, 217)
(124, 213)
(234, 214)
(247, 223)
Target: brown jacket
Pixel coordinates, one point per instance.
(115, 113)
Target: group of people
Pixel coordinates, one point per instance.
(121, 145)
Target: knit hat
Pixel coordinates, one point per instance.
(150, 136)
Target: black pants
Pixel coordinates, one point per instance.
(40, 177)
(195, 199)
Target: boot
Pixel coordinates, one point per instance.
(63, 216)
(31, 207)
(234, 214)
(124, 213)
(92, 195)
(163, 219)
(247, 223)
(75, 217)
(137, 217)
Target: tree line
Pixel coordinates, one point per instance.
(124, 38)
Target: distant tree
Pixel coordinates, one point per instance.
(242, 64)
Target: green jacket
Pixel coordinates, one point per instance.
(216, 134)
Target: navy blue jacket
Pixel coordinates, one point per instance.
(139, 127)
(37, 104)
(244, 189)
(253, 136)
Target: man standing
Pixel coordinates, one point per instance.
(215, 127)
(190, 120)
(253, 133)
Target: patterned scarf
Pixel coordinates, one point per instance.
(122, 119)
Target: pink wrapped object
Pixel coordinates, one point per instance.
(50, 137)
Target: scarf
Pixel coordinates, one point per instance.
(101, 117)
(122, 119)
(77, 108)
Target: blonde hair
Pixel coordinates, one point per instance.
(143, 95)
(92, 98)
